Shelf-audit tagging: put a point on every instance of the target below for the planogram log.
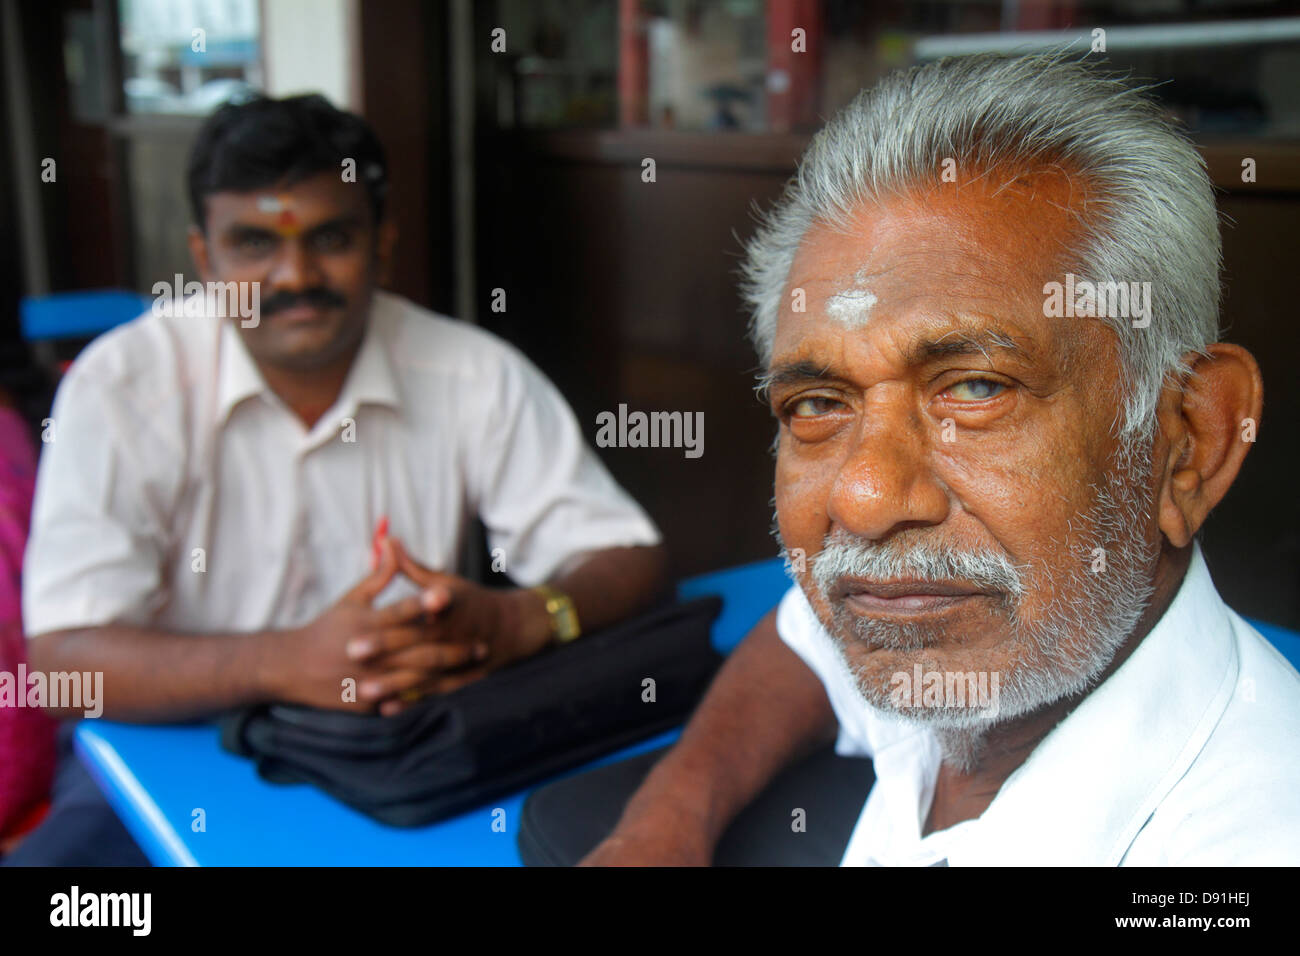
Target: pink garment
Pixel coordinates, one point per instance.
(26, 734)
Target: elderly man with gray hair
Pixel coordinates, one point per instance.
(987, 310)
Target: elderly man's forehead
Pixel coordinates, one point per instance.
(1000, 221)
(974, 255)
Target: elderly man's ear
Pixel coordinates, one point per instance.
(1208, 425)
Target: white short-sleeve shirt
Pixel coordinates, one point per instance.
(179, 492)
(1189, 754)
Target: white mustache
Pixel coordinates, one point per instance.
(845, 555)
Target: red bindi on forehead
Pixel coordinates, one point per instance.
(287, 223)
(281, 205)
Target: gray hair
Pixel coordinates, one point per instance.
(1155, 222)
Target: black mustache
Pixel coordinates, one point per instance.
(319, 298)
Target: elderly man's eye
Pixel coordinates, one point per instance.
(976, 389)
(810, 406)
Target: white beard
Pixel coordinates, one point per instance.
(1060, 654)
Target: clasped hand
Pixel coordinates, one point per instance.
(452, 633)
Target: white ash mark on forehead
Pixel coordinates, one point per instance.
(851, 307)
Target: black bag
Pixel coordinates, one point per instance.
(447, 753)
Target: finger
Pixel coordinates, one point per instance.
(406, 699)
(439, 685)
(387, 557)
(367, 647)
(380, 686)
(381, 532)
(451, 682)
(373, 584)
(428, 602)
(412, 568)
(384, 556)
(432, 658)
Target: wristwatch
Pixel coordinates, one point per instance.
(564, 617)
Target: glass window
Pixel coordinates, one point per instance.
(188, 56)
(1226, 68)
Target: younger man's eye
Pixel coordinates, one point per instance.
(253, 244)
(331, 240)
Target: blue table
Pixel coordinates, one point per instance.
(157, 777)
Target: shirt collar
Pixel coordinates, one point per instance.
(1094, 781)
(371, 380)
(238, 377)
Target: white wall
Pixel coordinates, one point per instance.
(309, 46)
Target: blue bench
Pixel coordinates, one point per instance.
(78, 315)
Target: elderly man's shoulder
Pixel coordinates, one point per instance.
(1239, 802)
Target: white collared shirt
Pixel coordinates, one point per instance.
(1189, 754)
(179, 492)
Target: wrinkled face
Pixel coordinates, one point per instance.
(313, 247)
(946, 459)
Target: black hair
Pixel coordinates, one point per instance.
(262, 141)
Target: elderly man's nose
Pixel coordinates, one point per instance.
(885, 485)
